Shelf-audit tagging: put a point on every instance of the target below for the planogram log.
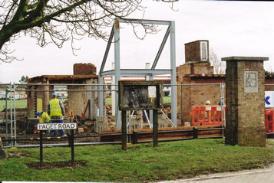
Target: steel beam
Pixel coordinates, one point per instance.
(107, 50)
(161, 48)
(117, 72)
(145, 21)
(137, 72)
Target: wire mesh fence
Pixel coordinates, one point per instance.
(19, 104)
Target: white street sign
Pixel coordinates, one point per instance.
(269, 98)
(56, 126)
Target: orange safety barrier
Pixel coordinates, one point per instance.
(198, 115)
(206, 115)
(269, 120)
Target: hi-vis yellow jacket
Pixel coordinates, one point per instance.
(55, 108)
(44, 118)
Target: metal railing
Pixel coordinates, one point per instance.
(20, 102)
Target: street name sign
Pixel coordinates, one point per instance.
(56, 126)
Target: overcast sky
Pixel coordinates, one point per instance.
(232, 28)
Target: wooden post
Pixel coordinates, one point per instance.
(134, 137)
(155, 127)
(195, 133)
(124, 130)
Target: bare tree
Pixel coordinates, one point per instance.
(218, 65)
(56, 21)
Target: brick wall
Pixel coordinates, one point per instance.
(84, 69)
(196, 91)
(78, 98)
(192, 51)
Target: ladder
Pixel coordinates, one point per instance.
(10, 114)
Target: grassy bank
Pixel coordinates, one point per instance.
(140, 163)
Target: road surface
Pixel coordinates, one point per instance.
(248, 176)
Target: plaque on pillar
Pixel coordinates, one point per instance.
(251, 81)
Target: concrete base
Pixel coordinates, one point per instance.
(231, 135)
(252, 136)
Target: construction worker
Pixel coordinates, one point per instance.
(207, 102)
(43, 117)
(56, 113)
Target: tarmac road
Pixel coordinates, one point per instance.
(248, 176)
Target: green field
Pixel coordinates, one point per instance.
(140, 163)
(22, 103)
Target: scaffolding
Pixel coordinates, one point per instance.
(117, 72)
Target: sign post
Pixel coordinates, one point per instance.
(72, 146)
(139, 95)
(155, 127)
(41, 148)
(57, 126)
(124, 130)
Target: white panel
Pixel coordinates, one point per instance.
(269, 99)
(56, 126)
(251, 81)
(203, 50)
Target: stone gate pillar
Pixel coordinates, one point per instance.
(245, 116)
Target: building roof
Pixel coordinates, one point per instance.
(241, 58)
(163, 79)
(61, 78)
(206, 76)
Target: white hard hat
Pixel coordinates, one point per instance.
(54, 93)
(207, 102)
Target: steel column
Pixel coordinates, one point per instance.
(173, 74)
(117, 69)
(101, 96)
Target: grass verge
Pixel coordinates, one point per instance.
(19, 103)
(141, 163)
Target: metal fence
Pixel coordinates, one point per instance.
(19, 104)
(199, 95)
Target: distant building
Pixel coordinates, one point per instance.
(80, 99)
